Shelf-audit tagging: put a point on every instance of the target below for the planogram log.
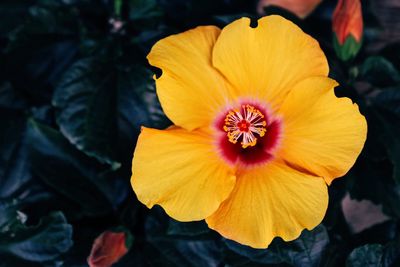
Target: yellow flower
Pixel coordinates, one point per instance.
(258, 131)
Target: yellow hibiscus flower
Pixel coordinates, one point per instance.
(258, 134)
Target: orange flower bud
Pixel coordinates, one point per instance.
(107, 249)
(347, 29)
(302, 8)
(347, 20)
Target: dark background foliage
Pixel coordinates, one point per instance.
(75, 87)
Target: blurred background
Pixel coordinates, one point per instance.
(75, 87)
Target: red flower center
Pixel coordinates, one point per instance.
(247, 135)
(243, 125)
(246, 124)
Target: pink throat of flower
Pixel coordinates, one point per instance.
(247, 134)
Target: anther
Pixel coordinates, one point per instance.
(245, 124)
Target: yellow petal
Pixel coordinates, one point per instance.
(180, 171)
(189, 89)
(322, 134)
(270, 201)
(266, 61)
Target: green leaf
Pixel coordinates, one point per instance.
(8, 213)
(138, 103)
(10, 98)
(372, 180)
(101, 106)
(372, 177)
(40, 64)
(39, 243)
(390, 137)
(66, 170)
(86, 100)
(366, 256)
(389, 99)
(391, 253)
(40, 49)
(188, 229)
(144, 9)
(392, 52)
(379, 72)
(226, 19)
(307, 250)
(12, 14)
(14, 165)
(265, 256)
(181, 252)
(117, 7)
(375, 255)
(348, 50)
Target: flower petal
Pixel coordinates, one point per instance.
(322, 134)
(270, 201)
(266, 61)
(180, 171)
(107, 249)
(347, 20)
(189, 89)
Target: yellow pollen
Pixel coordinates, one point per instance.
(244, 124)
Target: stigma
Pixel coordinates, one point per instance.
(245, 125)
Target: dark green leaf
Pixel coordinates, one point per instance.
(375, 255)
(188, 229)
(366, 256)
(392, 52)
(12, 14)
(389, 99)
(66, 169)
(8, 214)
(390, 137)
(86, 99)
(11, 98)
(230, 18)
(180, 252)
(372, 177)
(391, 254)
(266, 256)
(144, 9)
(138, 104)
(307, 250)
(372, 180)
(43, 242)
(14, 169)
(348, 50)
(40, 49)
(379, 72)
(101, 106)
